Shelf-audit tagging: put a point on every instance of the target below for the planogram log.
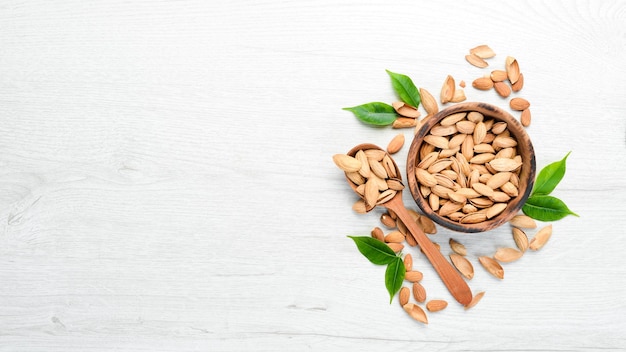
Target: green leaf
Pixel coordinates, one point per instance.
(549, 177)
(405, 88)
(394, 276)
(376, 113)
(546, 208)
(376, 251)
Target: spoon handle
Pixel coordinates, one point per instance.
(450, 277)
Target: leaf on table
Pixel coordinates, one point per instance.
(549, 177)
(546, 208)
(374, 250)
(394, 276)
(403, 85)
(375, 113)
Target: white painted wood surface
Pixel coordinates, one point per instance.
(166, 181)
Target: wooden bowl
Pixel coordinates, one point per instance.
(526, 175)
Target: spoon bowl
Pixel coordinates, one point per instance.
(450, 277)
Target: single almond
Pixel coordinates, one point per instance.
(502, 89)
(404, 122)
(408, 262)
(428, 102)
(499, 179)
(413, 276)
(365, 166)
(378, 169)
(449, 208)
(473, 218)
(500, 197)
(525, 117)
(517, 86)
(498, 127)
(482, 158)
(425, 178)
(447, 90)
(436, 305)
(541, 238)
(452, 119)
(476, 61)
(440, 130)
(428, 160)
(346, 162)
(404, 296)
(519, 104)
(394, 237)
(475, 300)
(510, 189)
(387, 220)
(465, 127)
(419, 292)
(406, 109)
(483, 189)
(395, 184)
(503, 164)
(462, 265)
(523, 221)
(492, 266)
(480, 131)
(495, 209)
(475, 116)
(483, 51)
(498, 75)
(439, 165)
(437, 141)
(427, 225)
(457, 247)
(396, 247)
(512, 69)
(416, 312)
(507, 255)
(520, 238)
(360, 207)
(459, 96)
(378, 234)
(482, 83)
(395, 144)
(501, 141)
(371, 192)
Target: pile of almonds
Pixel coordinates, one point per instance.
(468, 167)
(374, 176)
(502, 81)
(397, 232)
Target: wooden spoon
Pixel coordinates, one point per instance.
(450, 277)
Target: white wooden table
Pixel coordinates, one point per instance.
(166, 181)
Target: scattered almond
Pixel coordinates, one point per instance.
(523, 221)
(377, 233)
(395, 247)
(541, 238)
(512, 69)
(436, 305)
(502, 89)
(519, 104)
(447, 90)
(404, 122)
(416, 312)
(459, 96)
(475, 300)
(428, 102)
(395, 144)
(404, 296)
(520, 238)
(483, 52)
(413, 276)
(457, 247)
(482, 83)
(394, 237)
(476, 61)
(492, 266)
(405, 109)
(517, 86)
(498, 75)
(525, 118)
(387, 220)
(462, 265)
(507, 255)
(419, 292)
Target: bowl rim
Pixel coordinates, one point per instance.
(528, 166)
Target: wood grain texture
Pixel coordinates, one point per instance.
(166, 181)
